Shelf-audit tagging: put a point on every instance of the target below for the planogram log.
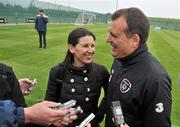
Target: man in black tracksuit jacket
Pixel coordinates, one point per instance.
(9, 86)
(137, 79)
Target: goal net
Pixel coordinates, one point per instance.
(85, 19)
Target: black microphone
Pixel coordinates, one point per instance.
(117, 113)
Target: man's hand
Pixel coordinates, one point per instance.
(25, 85)
(42, 113)
(65, 121)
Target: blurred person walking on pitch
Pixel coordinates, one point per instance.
(41, 27)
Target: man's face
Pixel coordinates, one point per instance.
(41, 13)
(117, 38)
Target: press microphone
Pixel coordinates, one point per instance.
(117, 113)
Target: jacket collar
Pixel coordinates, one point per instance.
(135, 56)
(80, 70)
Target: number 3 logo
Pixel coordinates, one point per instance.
(159, 108)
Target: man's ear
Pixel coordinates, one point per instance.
(71, 48)
(135, 40)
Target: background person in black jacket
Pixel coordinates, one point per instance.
(137, 80)
(11, 88)
(78, 78)
(41, 27)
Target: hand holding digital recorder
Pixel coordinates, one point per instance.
(65, 105)
(75, 112)
(30, 87)
(34, 82)
(88, 119)
(117, 113)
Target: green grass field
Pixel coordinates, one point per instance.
(19, 49)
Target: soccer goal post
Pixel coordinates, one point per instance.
(85, 19)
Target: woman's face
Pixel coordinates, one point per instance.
(83, 51)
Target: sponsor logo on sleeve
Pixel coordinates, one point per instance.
(159, 107)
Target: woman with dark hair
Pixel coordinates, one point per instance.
(79, 78)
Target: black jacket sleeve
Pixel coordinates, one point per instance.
(54, 85)
(45, 19)
(102, 106)
(157, 104)
(9, 86)
(16, 94)
(10, 115)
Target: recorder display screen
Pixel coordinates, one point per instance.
(118, 111)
